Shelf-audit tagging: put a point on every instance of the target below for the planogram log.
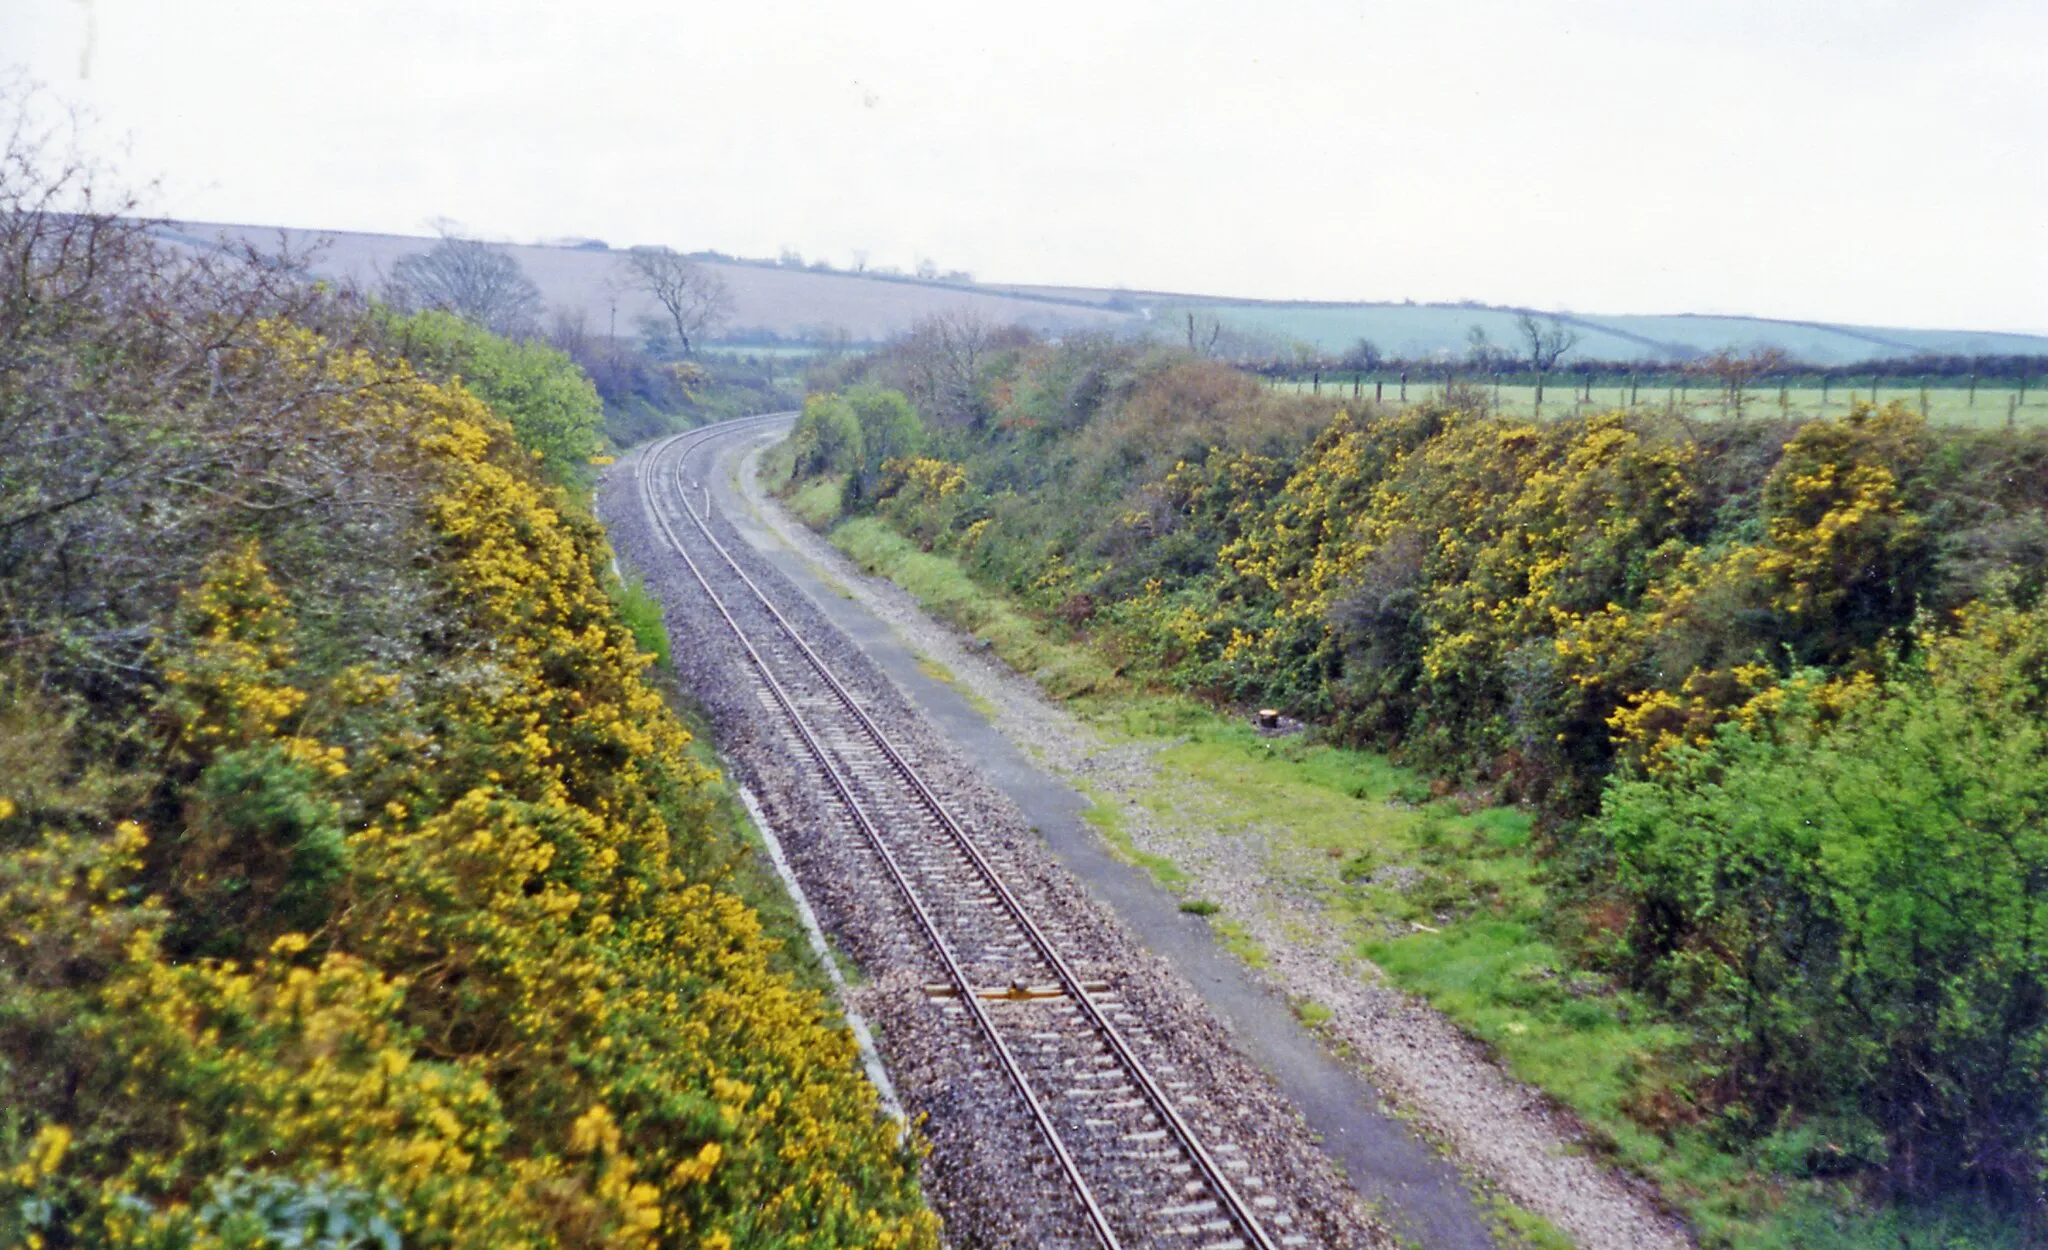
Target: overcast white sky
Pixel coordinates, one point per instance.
(1850, 160)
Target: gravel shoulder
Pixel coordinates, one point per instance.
(1495, 1128)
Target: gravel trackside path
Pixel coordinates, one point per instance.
(1497, 1128)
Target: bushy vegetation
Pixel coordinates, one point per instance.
(648, 393)
(356, 889)
(555, 411)
(1773, 688)
(1846, 889)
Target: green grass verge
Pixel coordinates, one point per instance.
(818, 501)
(643, 616)
(1108, 820)
(1449, 903)
(945, 590)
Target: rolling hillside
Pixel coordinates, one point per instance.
(794, 303)
(818, 305)
(1436, 330)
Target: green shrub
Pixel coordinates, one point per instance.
(643, 615)
(261, 836)
(550, 403)
(1847, 897)
(827, 437)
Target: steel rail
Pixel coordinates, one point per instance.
(1097, 1218)
(1237, 1210)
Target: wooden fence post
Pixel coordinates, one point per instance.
(1404, 386)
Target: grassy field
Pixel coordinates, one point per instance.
(1418, 331)
(1945, 405)
(1446, 897)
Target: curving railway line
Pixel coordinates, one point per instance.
(1140, 1157)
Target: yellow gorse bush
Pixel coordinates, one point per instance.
(1449, 579)
(920, 480)
(528, 1015)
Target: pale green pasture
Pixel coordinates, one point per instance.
(1993, 407)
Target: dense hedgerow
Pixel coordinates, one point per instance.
(1846, 889)
(356, 889)
(1775, 686)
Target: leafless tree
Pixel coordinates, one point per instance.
(1734, 371)
(151, 417)
(696, 299)
(1481, 350)
(476, 281)
(569, 331)
(947, 360)
(1545, 344)
(1212, 338)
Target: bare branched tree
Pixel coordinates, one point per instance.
(947, 359)
(1545, 344)
(476, 281)
(696, 299)
(1481, 350)
(1734, 371)
(147, 422)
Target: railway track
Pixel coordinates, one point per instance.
(1138, 1151)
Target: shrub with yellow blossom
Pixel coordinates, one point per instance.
(423, 931)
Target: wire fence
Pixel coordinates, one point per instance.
(1980, 403)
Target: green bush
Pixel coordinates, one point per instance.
(261, 833)
(642, 614)
(1847, 896)
(552, 406)
(827, 437)
(889, 430)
